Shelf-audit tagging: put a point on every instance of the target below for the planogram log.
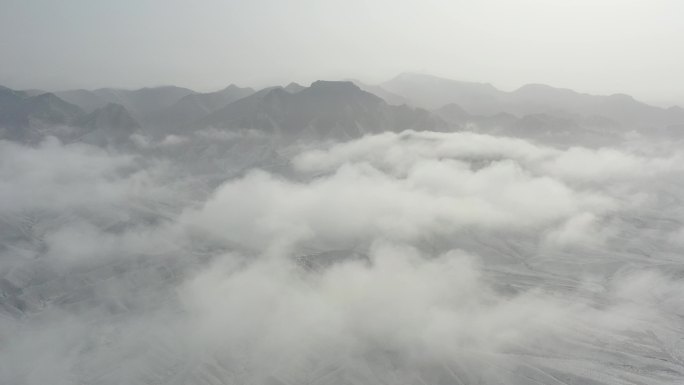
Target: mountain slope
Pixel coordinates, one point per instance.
(28, 118)
(483, 99)
(111, 124)
(143, 104)
(389, 97)
(538, 98)
(326, 109)
(293, 87)
(195, 106)
(433, 92)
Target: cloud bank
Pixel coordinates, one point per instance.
(394, 258)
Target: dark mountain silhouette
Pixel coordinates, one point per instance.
(326, 109)
(29, 119)
(143, 104)
(294, 87)
(111, 124)
(331, 109)
(197, 105)
(389, 97)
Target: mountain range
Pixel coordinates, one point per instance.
(28, 118)
(328, 109)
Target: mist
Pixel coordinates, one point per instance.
(402, 257)
(341, 192)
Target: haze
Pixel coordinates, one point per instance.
(601, 47)
(340, 193)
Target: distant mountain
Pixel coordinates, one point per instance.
(675, 111)
(9, 102)
(331, 109)
(111, 124)
(294, 87)
(432, 92)
(624, 109)
(33, 92)
(389, 97)
(143, 104)
(28, 119)
(454, 113)
(483, 99)
(559, 130)
(326, 109)
(197, 105)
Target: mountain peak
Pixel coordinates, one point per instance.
(112, 115)
(113, 107)
(540, 87)
(276, 91)
(326, 109)
(538, 90)
(622, 97)
(234, 88)
(432, 92)
(294, 87)
(335, 84)
(338, 92)
(432, 79)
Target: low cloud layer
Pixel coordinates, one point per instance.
(395, 258)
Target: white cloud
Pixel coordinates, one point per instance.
(359, 203)
(414, 256)
(581, 229)
(405, 187)
(173, 140)
(399, 302)
(605, 163)
(396, 152)
(52, 176)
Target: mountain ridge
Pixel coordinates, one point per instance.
(325, 109)
(433, 92)
(334, 109)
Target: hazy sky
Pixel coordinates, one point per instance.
(597, 46)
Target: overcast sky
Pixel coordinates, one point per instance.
(596, 46)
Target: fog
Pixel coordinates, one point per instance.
(273, 192)
(411, 257)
